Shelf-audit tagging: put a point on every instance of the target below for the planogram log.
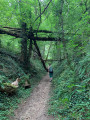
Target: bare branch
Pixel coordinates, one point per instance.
(40, 17)
(43, 10)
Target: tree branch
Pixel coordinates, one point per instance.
(52, 60)
(43, 10)
(87, 8)
(17, 31)
(46, 39)
(9, 33)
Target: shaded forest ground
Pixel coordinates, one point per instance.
(10, 69)
(36, 106)
(71, 85)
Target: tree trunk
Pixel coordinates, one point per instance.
(48, 52)
(62, 30)
(30, 44)
(24, 57)
(39, 54)
(0, 44)
(30, 49)
(44, 51)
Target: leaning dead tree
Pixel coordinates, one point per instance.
(16, 32)
(22, 33)
(25, 34)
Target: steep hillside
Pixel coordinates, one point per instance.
(9, 71)
(70, 99)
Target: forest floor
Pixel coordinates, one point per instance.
(36, 106)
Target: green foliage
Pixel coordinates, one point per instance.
(71, 76)
(71, 91)
(9, 71)
(9, 43)
(2, 80)
(10, 68)
(9, 103)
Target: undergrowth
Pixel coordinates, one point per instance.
(70, 99)
(9, 71)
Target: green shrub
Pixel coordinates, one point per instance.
(70, 100)
(12, 70)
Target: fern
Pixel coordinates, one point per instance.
(71, 91)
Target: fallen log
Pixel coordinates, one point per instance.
(18, 35)
(8, 88)
(2, 31)
(40, 56)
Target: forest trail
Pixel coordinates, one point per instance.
(36, 106)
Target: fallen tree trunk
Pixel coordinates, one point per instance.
(18, 35)
(10, 30)
(8, 88)
(46, 39)
(39, 54)
(2, 31)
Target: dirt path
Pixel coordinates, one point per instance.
(35, 107)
